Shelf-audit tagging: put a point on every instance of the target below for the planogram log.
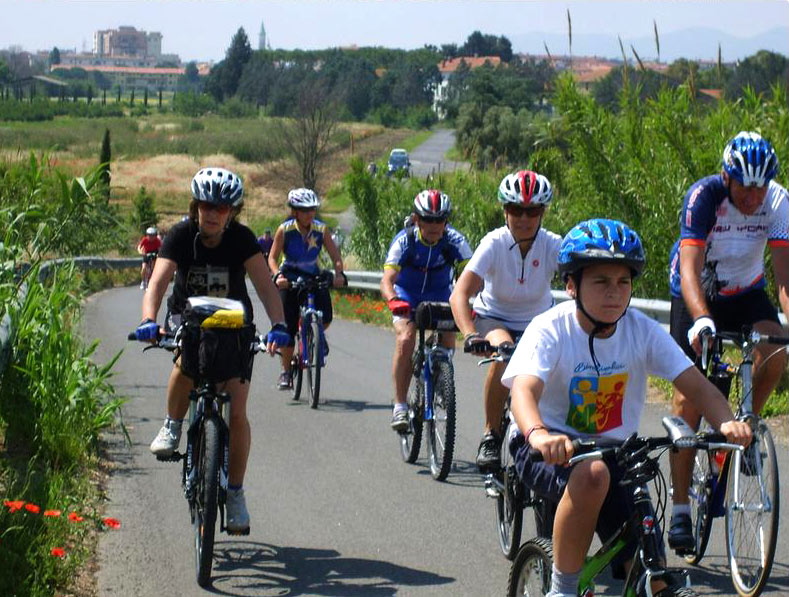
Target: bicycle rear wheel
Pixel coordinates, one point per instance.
(411, 439)
(205, 503)
(314, 360)
(701, 484)
(752, 507)
(530, 573)
(296, 370)
(441, 428)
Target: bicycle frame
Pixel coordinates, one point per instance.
(206, 402)
(306, 312)
(426, 355)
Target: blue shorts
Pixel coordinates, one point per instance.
(549, 481)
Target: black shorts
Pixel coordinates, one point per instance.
(549, 481)
(290, 303)
(729, 315)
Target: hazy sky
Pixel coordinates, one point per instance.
(202, 29)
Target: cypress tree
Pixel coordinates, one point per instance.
(104, 160)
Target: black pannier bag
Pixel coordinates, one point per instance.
(216, 340)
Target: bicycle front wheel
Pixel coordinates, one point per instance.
(205, 503)
(752, 506)
(314, 360)
(411, 438)
(530, 573)
(700, 494)
(509, 504)
(441, 428)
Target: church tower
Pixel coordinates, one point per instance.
(262, 37)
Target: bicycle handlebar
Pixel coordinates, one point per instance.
(501, 354)
(171, 341)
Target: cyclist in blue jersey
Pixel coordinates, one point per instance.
(299, 241)
(718, 281)
(419, 267)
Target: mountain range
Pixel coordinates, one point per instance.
(695, 43)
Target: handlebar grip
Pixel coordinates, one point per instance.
(713, 437)
(131, 336)
(580, 446)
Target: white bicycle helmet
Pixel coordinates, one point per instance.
(525, 188)
(151, 231)
(218, 186)
(432, 203)
(303, 199)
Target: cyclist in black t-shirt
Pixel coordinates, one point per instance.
(210, 254)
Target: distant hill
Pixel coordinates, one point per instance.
(696, 43)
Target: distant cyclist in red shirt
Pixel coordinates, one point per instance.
(148, 247)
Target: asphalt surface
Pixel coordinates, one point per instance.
(430, 157)
(334, 509)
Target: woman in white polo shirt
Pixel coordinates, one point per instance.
(510, 273)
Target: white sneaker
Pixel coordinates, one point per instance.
(237, 516)
(166, 442)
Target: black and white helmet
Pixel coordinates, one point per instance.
(303, 199)
(218, 186)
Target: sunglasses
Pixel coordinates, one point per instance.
(304, 209)
(222, 209)
(433, 219)
(529, 212)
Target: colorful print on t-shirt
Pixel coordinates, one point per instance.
(596, 403)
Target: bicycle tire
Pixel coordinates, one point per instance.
(314, 360)
(411, 439)
(751, 534)
(700, 494)
(509, 505)
(441, 428)
(674, 592)
(296, 370)
(205, 504)
(530, 573)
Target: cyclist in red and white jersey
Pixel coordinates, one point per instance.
(510, 273)
(717, 280)
(150, 243)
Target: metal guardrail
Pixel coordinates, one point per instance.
(656, 309)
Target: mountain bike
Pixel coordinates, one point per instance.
(503, 484)
(311, 347)
(530, 573)
(431, 401)
(204, 474)
(742, 487)
(149, 260)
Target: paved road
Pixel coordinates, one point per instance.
(430, 156)
(334, 509)
(427, 158)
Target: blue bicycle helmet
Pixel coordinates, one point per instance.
(600, 241)
(750, 159)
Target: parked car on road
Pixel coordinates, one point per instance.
(398, 160)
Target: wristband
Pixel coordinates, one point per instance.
(147, 320)
(532, 429)
(470, 334)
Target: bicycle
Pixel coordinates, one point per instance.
(503, 485)
(307, 357)
(745, 490)
(149, 259)
(431, 401)
(204, 474)
(530, 573)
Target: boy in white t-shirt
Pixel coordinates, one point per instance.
(581, 370)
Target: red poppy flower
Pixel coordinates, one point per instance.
(74, 517)
(13, 506)
(113, 523)
(58, 552)
(32, 508)
(51, 512)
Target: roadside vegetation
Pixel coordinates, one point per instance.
(54, 400)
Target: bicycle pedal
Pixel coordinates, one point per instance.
(174, 457)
